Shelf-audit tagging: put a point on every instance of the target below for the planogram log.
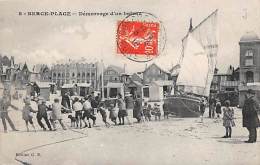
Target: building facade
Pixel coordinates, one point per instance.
(7, 68)
(113, 74)
(225, 82)
(249, 58)
(74, 72)
(249, 65)
(154, 73)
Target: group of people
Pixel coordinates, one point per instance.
(214, 107)
(117, 109)
(86, 109)
(80, 111)
(249, 114)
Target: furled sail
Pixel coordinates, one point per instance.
(206, 34)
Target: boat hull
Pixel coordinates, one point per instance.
(183, 106)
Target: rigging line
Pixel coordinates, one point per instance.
(49, 144)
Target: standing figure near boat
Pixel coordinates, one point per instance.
(212, 106)
(202, 108)
(250, 116)
(218, 108)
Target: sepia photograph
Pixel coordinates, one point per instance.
(135, 82)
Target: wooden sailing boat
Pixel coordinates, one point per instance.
(198, 63)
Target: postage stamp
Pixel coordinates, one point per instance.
(140, 37)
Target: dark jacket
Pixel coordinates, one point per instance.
(65, 101)
(249, 112)
(42, 110)
(137, 109)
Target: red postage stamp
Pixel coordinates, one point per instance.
(138, 38)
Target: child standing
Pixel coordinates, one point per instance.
(157, 112)
(122, 113)
(112, 114)
(228, 119)
(78, 107)
(145, 108)
(27, 114)
(147, 114)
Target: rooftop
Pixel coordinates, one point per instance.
(249, 36)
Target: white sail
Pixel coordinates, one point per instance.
(194, 67)
(206, 34)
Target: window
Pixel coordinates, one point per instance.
(92, 74)
(146, 92)
(67, 74)
(63, 74)
(54, 74)
(249, 60)
(83, 74)
(249, 53)
(88, 74)
(58, 74)
(249, 77)
(73, 74)
(78, 74)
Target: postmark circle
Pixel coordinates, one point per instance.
(141, 37)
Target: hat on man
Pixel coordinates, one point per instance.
(250, 91)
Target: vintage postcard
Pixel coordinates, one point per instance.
(129, 82)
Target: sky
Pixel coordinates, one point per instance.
(51, 39)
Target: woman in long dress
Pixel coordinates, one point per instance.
(137, 109)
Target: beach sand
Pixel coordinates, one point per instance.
(171, 141)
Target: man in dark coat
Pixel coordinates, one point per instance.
(137, 109)
(250, 117)
(212, 104)
(42, 114)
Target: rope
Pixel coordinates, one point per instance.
(49, 144)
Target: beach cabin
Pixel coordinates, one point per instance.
(39, 89)
(71, 88)
(112, 89)
(158, 89)
(84, 89)
(135, 88)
